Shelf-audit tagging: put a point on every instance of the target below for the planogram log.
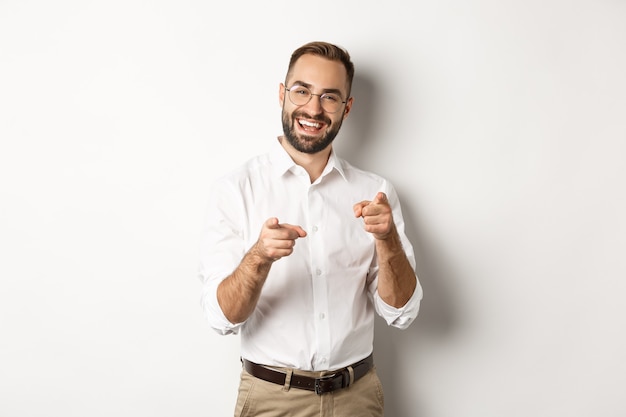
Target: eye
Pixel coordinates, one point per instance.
(301, 91)
(331, 98)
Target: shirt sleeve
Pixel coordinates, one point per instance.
(222, 247)
(397, 317)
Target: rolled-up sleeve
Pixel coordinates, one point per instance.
(221, 250)
(397, 317)
(212, 311)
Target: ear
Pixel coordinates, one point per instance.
(281, 94)
(348, 107)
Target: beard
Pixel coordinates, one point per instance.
(304, 143)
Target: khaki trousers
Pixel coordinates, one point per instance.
(259, 398)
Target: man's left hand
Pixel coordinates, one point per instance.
(377, 215)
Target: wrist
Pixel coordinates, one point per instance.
(259, 257)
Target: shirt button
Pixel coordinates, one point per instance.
(322, 316)
(318, 272)
(314, 228)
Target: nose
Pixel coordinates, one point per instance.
(314, 106)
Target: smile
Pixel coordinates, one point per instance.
(309, 125)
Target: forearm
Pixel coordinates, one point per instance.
(396, 278)
(239, 293)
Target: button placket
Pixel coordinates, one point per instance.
(319, 282)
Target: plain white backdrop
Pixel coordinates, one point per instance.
(501, 124)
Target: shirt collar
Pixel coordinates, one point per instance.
(282, 162)
(280, 159)
(336, 163)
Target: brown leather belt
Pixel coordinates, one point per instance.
(327, 383)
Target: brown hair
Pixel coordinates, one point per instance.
(328, 51)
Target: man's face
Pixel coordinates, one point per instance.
(309, 128)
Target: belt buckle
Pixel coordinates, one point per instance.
(345, 381)
(318, 383)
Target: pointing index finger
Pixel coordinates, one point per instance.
(380, 198)
(299, 230)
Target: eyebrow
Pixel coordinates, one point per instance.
(326, 90)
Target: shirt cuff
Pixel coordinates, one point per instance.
(399, 317)
(213, 312)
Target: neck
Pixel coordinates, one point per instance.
(314, 164)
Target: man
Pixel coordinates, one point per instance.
(300, 250)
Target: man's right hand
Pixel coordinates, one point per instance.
(277, 240)
(238, 293)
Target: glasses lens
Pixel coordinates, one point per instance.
(299, 95)
(330, 102)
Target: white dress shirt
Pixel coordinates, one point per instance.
(316, 309)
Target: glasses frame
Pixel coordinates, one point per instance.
(311, 97)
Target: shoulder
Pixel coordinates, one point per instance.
(354, 173)
(369, 182)
(253, 167)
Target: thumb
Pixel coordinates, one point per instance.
(272, 223)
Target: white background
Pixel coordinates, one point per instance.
(502, 124)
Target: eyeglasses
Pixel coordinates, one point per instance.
(300, 95)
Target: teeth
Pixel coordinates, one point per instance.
(309, 124)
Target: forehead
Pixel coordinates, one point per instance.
(319, 72)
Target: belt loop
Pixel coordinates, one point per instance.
(351, 372)
(288, 380)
